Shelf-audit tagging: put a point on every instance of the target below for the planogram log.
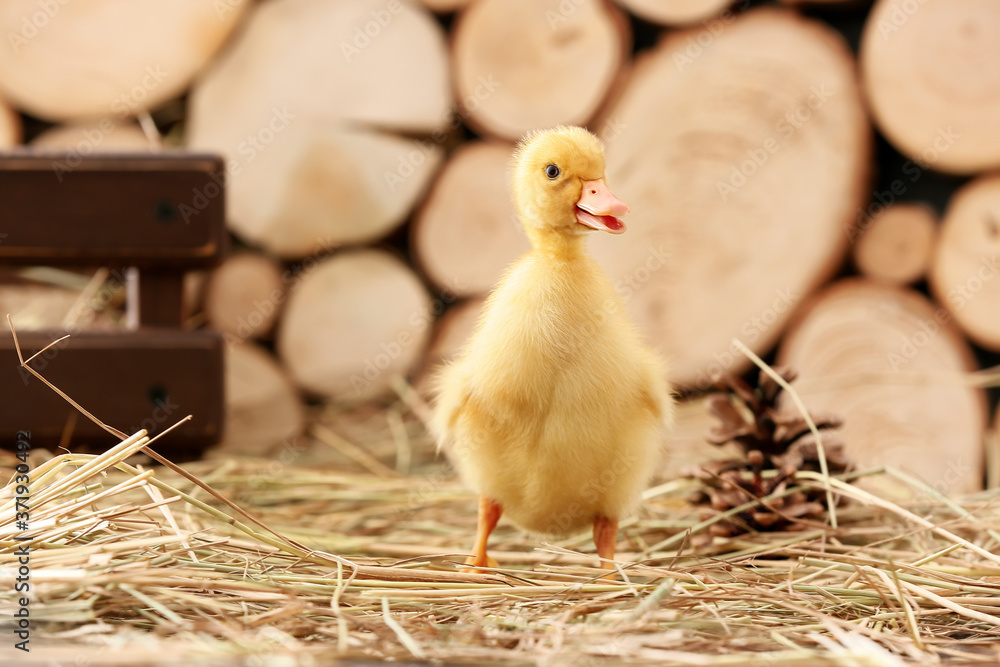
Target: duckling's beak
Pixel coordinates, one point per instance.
(599, 209)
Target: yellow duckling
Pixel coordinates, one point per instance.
(554, 410)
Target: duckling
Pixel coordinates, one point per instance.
(554, 409)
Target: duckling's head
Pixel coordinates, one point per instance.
(559, 185)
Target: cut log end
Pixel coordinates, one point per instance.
(445, 6)
(677, 12)
(846, 4)
(686, 445)
(889, 362)
(352, 324)
(965, 270)
(36, 306)
(10, 126)
(455, 329)
(451, 333)
(244, 295)
(194, 296)
(263, 408)
(109, 59)
(467, 232)
(571, 54)
(931, 71)
(896, 247)
(317, 160)
(742, 176)
(94, 136)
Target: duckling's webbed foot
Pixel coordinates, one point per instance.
(489, 515)
(606, 538)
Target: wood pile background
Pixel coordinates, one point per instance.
(816, 178)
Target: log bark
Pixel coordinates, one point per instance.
(896, 247)
(244, 295)
(305, 104)
(890, 363)
(744, 165)
(352, 323)
(467, 232)
(10, 126)
(965, 271)
(89, 136)
(263, 407)
(111, 59)
(677, 12)
(566, 59)
(929, 71)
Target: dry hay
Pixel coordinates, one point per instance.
(239, 561)
(127, 556)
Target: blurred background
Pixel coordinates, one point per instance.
(812, 178)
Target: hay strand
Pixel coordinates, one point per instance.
(183, 561)
(821, 451)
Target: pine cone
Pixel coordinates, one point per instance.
(769, 440)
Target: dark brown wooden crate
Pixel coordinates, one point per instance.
(163, 213)
(157, 210)
(145, 379)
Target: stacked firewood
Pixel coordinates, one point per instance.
(367, 144)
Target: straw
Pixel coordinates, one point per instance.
(316, 565)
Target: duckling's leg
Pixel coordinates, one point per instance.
(489, 515)
(605, 538)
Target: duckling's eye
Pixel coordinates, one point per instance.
(552, 171)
